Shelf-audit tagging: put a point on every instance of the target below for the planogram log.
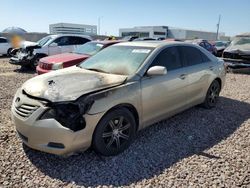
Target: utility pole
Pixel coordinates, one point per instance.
(99, 25)
(218, 27)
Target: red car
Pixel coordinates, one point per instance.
(61, 61)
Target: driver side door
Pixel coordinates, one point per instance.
(165, 95)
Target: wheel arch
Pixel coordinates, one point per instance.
(129, 107)
(219, 80)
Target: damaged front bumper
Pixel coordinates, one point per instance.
(49, 135)
(25, 60)
(22, 57)
(237, 65)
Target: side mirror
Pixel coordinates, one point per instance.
(53, 44)
(157, 71)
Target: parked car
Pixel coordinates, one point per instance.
(122, 89)
(129, 38)
(83, 52)
(5, 46)
(143, 39)
(220, 47)
(237, 54)
(31, 52)
(205, 44)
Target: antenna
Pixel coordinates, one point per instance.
(218, 27)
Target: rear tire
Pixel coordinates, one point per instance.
(212, 95)
(114, 133)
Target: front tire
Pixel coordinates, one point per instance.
(114, 133)
(9, 52)
(212, 95)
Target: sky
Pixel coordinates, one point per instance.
(35, 16)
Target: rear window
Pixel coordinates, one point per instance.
(89, 48)
(193, 56)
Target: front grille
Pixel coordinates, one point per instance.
(25, 110)
(235, 56)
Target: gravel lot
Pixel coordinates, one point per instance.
(197, 148)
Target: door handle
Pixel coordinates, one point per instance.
(182, 76)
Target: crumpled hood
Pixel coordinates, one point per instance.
(25, 44)
(65, 57)
(240, 49)
(69, 84)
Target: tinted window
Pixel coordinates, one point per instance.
(3, 40)
(191, 55)
(168, 58)
(62, 41)
(204, 57)
(78, 40)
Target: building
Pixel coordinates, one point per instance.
(170, 32)
(145, 31)
(69, 28)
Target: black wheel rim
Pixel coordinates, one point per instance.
(116, 133)
(214, 94)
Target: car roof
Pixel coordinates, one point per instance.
(70, 35)
(152, 44)
(106, 41)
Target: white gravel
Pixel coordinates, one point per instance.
(197, 148)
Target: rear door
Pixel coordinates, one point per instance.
(198, 69)
(66, 44)
(167, 94)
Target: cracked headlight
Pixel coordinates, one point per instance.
(67, 114)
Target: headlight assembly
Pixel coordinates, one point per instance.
(67, 114)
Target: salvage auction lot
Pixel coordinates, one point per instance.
(197, 147)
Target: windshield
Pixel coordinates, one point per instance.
(241, 41)
(122, 60)
(89, 48)
(43, 41)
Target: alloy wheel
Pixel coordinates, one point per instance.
(116, 133)
(214, 93)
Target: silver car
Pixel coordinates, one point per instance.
(105, 100)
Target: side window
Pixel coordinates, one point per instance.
(192, 55)
(78, 40)
(168, 58)
(3, 40)
(202, 44)
(62, 41)
(205, 58)
(208, 46)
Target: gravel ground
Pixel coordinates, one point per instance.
(197, 148)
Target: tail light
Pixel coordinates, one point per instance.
(46, 66)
